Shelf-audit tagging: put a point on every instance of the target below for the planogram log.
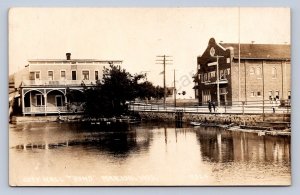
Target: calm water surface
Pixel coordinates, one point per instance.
(145, 154)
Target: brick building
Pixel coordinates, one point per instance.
(45, 84)
(261, 73)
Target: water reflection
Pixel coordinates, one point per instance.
(226, 146)
(118, 141)
(171, 155)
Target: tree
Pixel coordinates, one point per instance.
(108, 98)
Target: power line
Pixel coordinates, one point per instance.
(164, 61)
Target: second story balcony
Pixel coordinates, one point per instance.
(57, 82)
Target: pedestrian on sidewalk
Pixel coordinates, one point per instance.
(274, 104)
(214, 106)
(209, 106)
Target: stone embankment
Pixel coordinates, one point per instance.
(239, 119)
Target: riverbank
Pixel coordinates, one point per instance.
(49, 118)
(239, 119)
(272, 124)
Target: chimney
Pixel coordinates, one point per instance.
(68, 56)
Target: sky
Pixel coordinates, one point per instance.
(138, 35)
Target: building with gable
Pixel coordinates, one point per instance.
(46, 83)
(247, 73)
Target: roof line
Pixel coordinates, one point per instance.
(221, 46)
(246, 58)
(74, 60)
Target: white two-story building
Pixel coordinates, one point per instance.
(48, 83)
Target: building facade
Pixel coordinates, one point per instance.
(247, 73)
(47, 83)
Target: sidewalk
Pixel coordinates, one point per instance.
(238, 109)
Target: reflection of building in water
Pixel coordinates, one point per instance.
(250, 147)
(216, 145)
(119, 142)
(225, 146)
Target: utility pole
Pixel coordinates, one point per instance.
(163, 61)
(239, 76)
(174, 90)
(218, 83)
(218, 79)
(263, 92)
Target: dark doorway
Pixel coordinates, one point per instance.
(58, 99)
(74, 75)
(222, 100)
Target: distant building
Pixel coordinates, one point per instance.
(262, 74)
(46, 84)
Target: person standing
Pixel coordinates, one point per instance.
(209, 105)
(274, 105)
(214, 106)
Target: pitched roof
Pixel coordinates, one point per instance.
(260, 51)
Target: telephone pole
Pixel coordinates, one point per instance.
(174, 90)
(218, 79)
(164, 61)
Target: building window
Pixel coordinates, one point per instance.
(222, 74)
(252, 94)
(37, 75)
(63, 74)
(258, 93)
(223, 91)
(252, 70)
(277, 95)
(213, 74)
(274, 73)
(228, 71)
(270, 95)
(206, 96)
(96, 75)
(227, 60)
(31, 75)
(199, 66)
(199, 77)
(74, 75)
(40, 101)
(85, 75)
(50, 75)
(202, 78)
(258, 72)
(205, 77)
